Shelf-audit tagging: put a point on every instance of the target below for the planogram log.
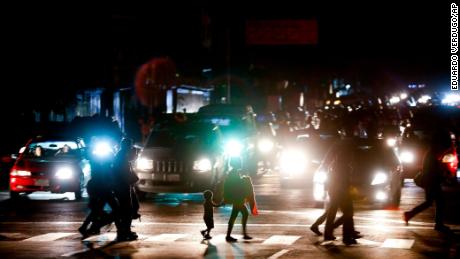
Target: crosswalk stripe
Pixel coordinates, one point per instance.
(281, 240)
(49, 237)
(102, 238)
(278, 254)
(361, 242)
(398, 243)
(166, 237)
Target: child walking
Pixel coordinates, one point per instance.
(208, 216)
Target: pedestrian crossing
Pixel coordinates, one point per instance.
(271, 240)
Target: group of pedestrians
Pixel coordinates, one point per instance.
(237, 191)
(339, 165)
(112, 182)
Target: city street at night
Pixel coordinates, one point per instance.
(228, 129)
(45, 225)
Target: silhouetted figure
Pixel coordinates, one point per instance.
(339, 162)
(234, 193)
(100, 192)
(337, 223)
(208, 216)
(433, 174)
(124, 180)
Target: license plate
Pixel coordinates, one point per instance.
(173, 177)
(42, 182)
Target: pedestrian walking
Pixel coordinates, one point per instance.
(208, 216)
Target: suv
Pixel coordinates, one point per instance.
(180, 157)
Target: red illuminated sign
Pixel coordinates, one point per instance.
(282, 32)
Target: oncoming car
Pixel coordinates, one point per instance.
(184, 157)
(376, 176)
(54, 164)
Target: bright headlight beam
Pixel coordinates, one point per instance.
(202, 165)
(379, 178)
(391, 142)
(64, 173)
(320, 177)
(143, 163)
(102, 149)
(265, 145)
(293, 161)
(233, 148)
(407, 157)
(381, 196)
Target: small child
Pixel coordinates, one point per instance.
(208, 213)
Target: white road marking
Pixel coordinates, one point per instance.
(140, 224)
(166, 237)
(106, 237)
(281, 240)
(361, 242)
(221, 238)
(49, 237)
(398, 243)
(278, 254)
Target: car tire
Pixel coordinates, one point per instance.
(14, 195)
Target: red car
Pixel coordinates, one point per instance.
(49, 164)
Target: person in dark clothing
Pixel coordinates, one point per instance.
(234, 193)
(100, 192)
(432, 176)
(208, 216)
(124, 179)
(339, 162)
(337, 223)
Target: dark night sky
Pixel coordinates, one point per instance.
(74, 47)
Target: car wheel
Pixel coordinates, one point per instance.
(14, 195)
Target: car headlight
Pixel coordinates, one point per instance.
(265, 145)
(379, 178)
(102, 149)
(64, 173)
(20, 173)
(407, 157)
(320, 177)
(391, 142)
(233, 148)
(381, 196)
(293, 161)
(143, 163)
(202, 165)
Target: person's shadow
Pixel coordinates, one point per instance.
(211, 250)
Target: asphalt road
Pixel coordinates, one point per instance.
(45, 225)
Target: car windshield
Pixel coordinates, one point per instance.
(185, 134)
(49, 149)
